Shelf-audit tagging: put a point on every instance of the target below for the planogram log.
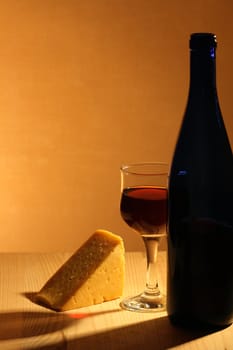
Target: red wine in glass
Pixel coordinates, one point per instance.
(144, 208)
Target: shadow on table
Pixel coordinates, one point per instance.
(156, 334)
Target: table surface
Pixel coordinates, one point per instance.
(25, 325)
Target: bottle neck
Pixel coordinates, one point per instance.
(203, 71)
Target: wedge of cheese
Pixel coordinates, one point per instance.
(92, 275)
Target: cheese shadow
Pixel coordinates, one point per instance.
(26, 324)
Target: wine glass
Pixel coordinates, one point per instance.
(144, 208)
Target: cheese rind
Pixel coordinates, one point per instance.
(92, 275)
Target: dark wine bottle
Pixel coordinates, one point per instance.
(200, 202)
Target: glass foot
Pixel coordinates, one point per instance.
(144, 303)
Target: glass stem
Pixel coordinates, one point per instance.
(152, 287)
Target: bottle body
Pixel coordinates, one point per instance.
(200, 224)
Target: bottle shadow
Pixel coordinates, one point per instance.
(156, 334)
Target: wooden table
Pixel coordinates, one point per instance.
(25, 325)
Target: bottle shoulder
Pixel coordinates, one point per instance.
(205, 157)
(203, 132)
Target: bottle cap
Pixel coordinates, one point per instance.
(200, 41)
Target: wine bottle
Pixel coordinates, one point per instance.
(200, 192)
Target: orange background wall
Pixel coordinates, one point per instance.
(86, 85)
